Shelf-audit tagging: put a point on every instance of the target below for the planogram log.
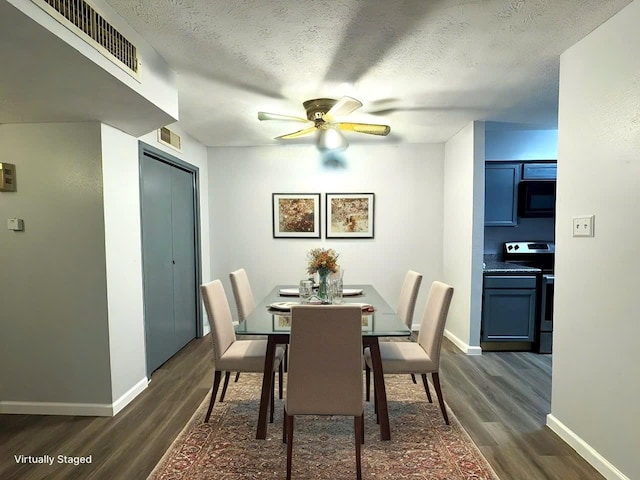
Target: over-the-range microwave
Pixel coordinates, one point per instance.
(537, 190)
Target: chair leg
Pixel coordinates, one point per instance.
(413, 377)
(289, 423)
(280, 375)
(284, 425)
(224, 387)
(367, 377)
(216, 383)
(436, 384)
(273, 396)
(358, 426)
(237, 377)
(285, 358)
(426, 387)
(375, 403)
(362, 419)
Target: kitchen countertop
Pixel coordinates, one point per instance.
(495, 266)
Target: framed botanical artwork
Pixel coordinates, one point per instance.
(349, 215)
(296, 215)
(281, 323)
(367, 322)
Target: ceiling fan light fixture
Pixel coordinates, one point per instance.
(331, 139)
(323, 115)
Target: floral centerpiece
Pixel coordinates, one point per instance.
(324, 261)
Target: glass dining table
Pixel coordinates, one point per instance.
(276, 326)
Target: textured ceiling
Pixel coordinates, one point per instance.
(426, 68)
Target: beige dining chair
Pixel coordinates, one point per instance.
(230, 354)
(407, 300)
(408, 297)
(242, 293)
(325, 369)
(245, 304)
(423, 356)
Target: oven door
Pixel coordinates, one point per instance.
(545, 335)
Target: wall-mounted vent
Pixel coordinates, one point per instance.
(169, 138)
(82, 16)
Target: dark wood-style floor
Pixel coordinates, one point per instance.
(500, 398)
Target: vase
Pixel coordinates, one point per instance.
(323, 286)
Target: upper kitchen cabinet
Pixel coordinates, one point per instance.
(501, 194)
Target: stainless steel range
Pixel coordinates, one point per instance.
(538, 254)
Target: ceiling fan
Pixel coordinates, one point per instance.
(323, 115)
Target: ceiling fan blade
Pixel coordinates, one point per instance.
(297, 134)
(369, 128)
(278, 116)
(343, 107)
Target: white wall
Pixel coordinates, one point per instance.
(596, 372)
(407, 182)
(54, 348)
(123, 251)
(463, 234)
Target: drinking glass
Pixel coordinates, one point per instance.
(305, 290)
(336, 291)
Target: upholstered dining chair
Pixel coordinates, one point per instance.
(245, 304)
(325, 369)
(408, 297)
(407, 300)
(230, 354)
(242, 293)
(423, 356)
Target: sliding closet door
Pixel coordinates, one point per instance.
(184, 279)
(169, 257)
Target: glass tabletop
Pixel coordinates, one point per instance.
(383, 322)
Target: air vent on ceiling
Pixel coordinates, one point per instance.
(82, 16)
(167, 137)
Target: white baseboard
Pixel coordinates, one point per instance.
(82, 409)
(132, 393)
(468, 349)
(585, 450)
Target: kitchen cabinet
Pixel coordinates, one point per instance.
(509, 308)
(501, 194)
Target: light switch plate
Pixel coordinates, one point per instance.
(583, 226)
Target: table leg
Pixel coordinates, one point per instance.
(380, 390)
(267, 385)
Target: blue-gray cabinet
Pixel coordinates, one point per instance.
(501, 194)
(509, 308)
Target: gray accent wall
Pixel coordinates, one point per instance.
(54, 345)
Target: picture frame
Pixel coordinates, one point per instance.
(296, 215)
(368, 321)
(349, 215)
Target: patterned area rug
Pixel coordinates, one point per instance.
(422, 446)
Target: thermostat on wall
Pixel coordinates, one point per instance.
(15, 224)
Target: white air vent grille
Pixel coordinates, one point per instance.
(169, 138)
(83, 16)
